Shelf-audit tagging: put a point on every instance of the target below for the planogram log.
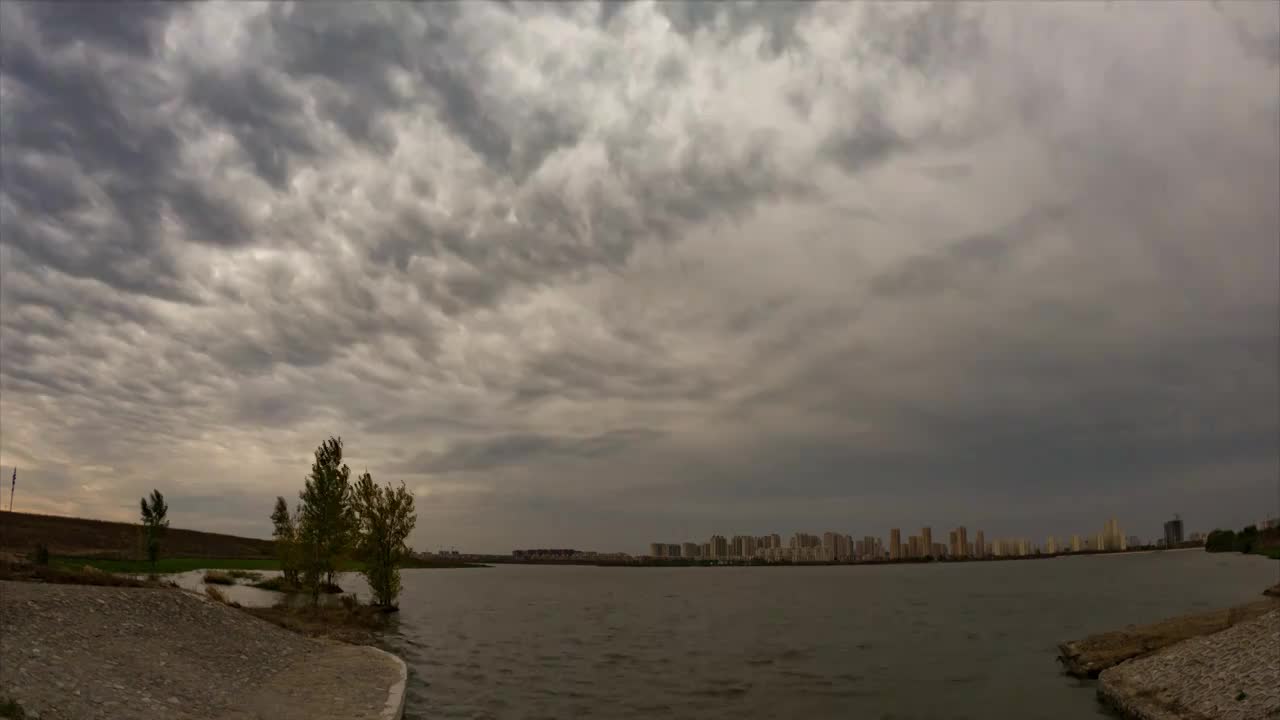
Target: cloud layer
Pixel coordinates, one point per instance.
(596, 275)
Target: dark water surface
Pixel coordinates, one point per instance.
(972, 640)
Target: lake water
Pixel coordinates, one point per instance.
(969, 640)
(964, 640)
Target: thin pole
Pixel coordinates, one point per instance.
(13, 486)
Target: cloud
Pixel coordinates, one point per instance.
(601, 274)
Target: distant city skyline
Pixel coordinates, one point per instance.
(835, 546)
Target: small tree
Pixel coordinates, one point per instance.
(154, 522)
(324, 516)
(384, 519)
(285, 532)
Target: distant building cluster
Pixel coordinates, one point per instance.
(567, 554)
(839, 547)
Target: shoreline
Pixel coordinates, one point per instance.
(1220, 663)
(698, 563)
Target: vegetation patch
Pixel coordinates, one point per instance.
(1249, 540)
(216, 577)
(245, 575)
(349, 622)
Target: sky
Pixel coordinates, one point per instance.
(598, 275)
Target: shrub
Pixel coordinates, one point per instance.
(1220, 541)
(42, 554)
(216, 594)
(245, 574)
(217, 577)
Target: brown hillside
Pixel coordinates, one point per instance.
(20, 532)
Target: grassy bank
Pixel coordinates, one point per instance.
(187, 564)
(167, 565)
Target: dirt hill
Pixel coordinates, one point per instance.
(81, 537)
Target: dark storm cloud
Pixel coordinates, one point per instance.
(504, 450)
(890, 264)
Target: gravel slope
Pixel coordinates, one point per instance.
(76, 652)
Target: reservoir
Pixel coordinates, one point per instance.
(964, 640)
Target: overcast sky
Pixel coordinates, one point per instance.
(595, 276)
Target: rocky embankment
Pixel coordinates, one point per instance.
(1229, 675)
(1219, 665)
(77, 652)
(1088, 657)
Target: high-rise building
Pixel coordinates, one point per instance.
(657, 550)
(868, 548)
(1112, 538)
(1075, 543)
(689, 550)
(1173, 531)
(895, 544)
(719, 547)
(926, 540)
(1051, 546)
(953, 543)
(979, 545)
(705, 550)
(964, 541)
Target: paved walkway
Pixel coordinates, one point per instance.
(74, 652)
(1229, 675)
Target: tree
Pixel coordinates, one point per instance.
(325, 519)
(1220, 541)
(384, 519)
(1246, 539)
(285, 532)
(154, 522)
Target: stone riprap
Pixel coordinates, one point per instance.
(1092, 655)
(1233, 674)
(74, 652)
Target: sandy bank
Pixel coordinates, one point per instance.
(80, 652)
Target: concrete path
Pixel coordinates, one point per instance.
(76, 652)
